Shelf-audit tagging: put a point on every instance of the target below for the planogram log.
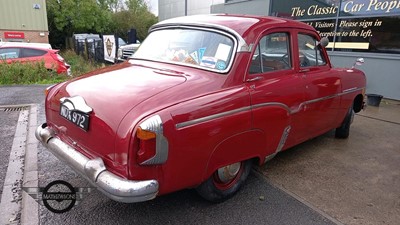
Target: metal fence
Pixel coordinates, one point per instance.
(89, 46)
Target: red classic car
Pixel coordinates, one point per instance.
(202, 99)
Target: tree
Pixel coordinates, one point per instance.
(137, 17)
(67, 17)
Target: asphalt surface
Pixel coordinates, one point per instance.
(7, 123)
(260, 202)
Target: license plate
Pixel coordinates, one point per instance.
(78, 118)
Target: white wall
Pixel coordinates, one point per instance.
(175, 8)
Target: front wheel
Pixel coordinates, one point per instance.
(225, 182)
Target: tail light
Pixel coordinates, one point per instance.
(47, 90)
(153, 146)
(56, 56)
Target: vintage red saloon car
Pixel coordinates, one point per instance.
(202, 99)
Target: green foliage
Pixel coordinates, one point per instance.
(37, 73)
(27, 73)
(78, 16)
(138, 17)
(67, 17)
(79, 65)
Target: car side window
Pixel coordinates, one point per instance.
(310, 53)
(9, 53)
(29, 52)
(272, 54)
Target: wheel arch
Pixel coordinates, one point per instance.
(251, 145)
(358, 103)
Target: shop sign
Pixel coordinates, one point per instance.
(329, 8)
(350, 25)
(14, 35)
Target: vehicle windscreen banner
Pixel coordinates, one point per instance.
(110, 48)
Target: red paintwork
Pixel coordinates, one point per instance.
(51, 59)
(127, 94)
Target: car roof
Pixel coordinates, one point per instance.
(24, 44)
(29, 47)
(238, 23)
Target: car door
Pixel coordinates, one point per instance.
(276, 89)
(321, 87)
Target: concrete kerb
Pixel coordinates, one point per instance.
(30, 208)
(16, 206)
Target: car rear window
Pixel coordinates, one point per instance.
(204, 49)
(29, 52)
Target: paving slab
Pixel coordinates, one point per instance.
(355, 180)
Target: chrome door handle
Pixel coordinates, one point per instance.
(254, 79)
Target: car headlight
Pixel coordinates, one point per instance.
(119, 53)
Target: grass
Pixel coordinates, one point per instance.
(36, 73)
(79, 65)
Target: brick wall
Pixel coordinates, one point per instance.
(29, 36)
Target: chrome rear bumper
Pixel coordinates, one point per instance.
(94, 170)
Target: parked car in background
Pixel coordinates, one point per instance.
(25, 44)
(34, 54)
(127, 50)
(200, 101)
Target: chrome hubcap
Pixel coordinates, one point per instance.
(227, 173)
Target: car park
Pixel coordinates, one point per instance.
(202, 100)
(12, 53)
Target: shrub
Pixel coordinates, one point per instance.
(36, 73)
(79, 65)
(27, 73)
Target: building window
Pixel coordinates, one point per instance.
(351, 26)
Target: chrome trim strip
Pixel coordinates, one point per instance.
(287, 108)
(76, 103)
(350, 90)
(211, 117)
(272, 104)
(285, 135)
(94, 170)
(243, 46)
(347, 91)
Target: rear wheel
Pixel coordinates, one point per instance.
(225, 182)
(344, 130)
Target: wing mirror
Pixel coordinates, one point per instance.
(324, 42)
(358, 62)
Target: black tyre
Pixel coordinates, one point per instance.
(344, 130)
(225, 182)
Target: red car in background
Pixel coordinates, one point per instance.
(23, 54)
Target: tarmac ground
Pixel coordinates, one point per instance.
(354, 180)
